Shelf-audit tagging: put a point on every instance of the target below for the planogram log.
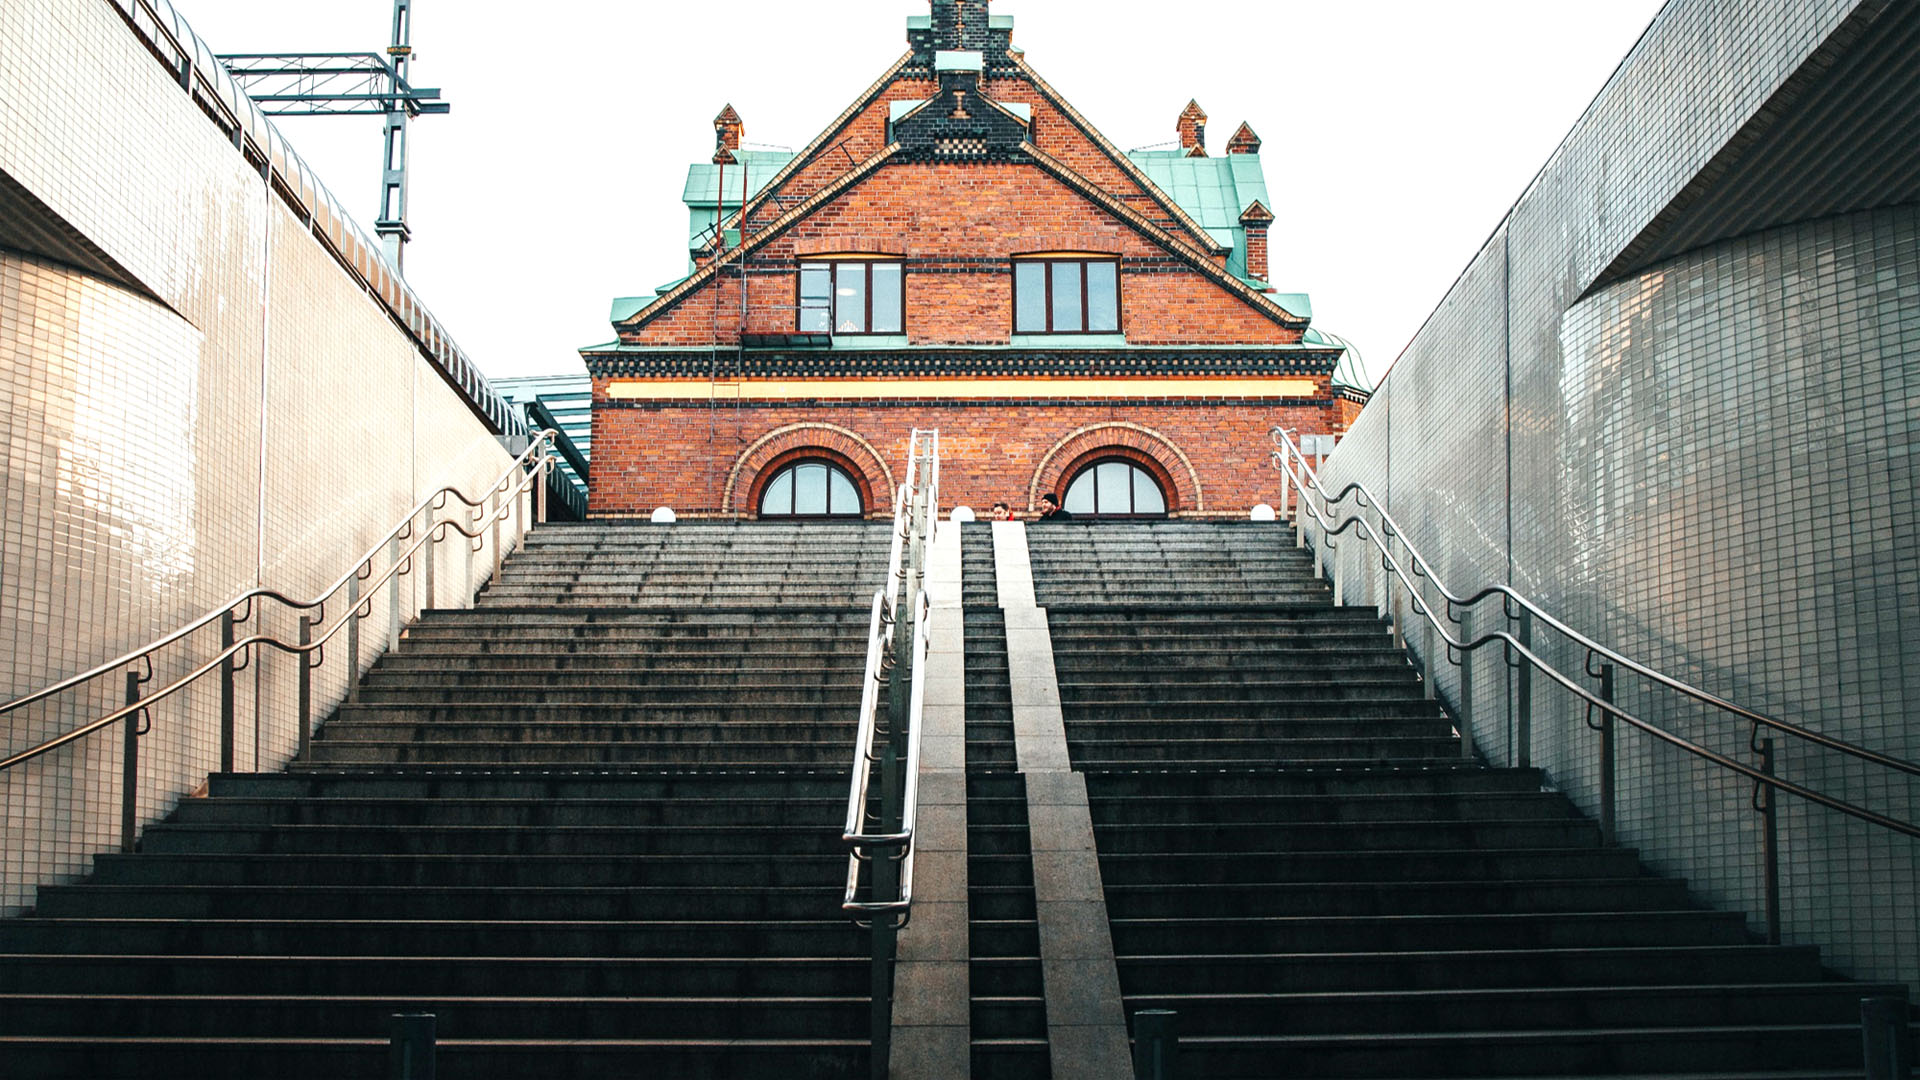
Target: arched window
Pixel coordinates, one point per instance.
(810, 489)
(1114, 487)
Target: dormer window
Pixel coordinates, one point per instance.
(847, 296)
(1078, 295)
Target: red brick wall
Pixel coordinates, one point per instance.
(968, 213)
(704, 461)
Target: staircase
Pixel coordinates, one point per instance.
(1298, 861)
(592, 825)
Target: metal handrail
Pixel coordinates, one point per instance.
(534, 467)
(916, 504)
(1295, 468)
(1366, 499)
(437, 499)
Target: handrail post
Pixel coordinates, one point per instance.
(540, 487)
(1770, 840)
(1427, 689)
(432, 556)
(1606, 758)
(353, 636)
(1523, 710)
(306, 687)
(1464, 707)
(393, 594)
(226, 692)
(495, 503)
(130, 766)
(1885, 1038)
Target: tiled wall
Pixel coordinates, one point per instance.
(1709, 465)
(260, 419)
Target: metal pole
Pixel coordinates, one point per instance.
(1606, 757)
(130, 766)
(1523, 733)
(226, 693)
(306, 686)
(1770, 838)
(353, 636)
(393, 594)
(1426, 666)
(410, 1056)
(1156, 1044)
(433, 541)
(1465, 704)
(495, 502)
(1885, 1037)
(1398, 626)
(546, 476)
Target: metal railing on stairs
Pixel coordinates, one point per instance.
(1444, 621)
(879, 834)
(478, 520)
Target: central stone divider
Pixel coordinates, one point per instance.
(1086, 1020)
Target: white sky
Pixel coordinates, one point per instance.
(1397, 132)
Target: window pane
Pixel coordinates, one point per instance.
(1147, 498)
(886, 298)
(1116, 481)
(810, 489)
(1066, 296)
(1030, 298)
(816, 299)
(1103, 297)
(849, 300)
(1080, 494)
(779, 496)
(841, 498)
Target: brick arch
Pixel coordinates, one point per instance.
(1142, 445)
(783, 444)
(757, 489)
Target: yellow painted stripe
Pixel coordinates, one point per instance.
(787, 389)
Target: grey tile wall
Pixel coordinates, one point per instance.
(1709, 466)
(263, 424)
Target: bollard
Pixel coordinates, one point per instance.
(1156, 1044)
(1884, 1036)
(410, 1056)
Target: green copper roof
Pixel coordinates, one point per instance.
(625, 306)
(959, 61)
(1214, 191)
(703, 178)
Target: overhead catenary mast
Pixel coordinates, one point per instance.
(351, 84)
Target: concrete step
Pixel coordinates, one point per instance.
(415, 839)
(1542, 930)
(137, 1058)
(476, 904)
(473, 871)
(1333, 898)
(833, 935)
(465, 1017)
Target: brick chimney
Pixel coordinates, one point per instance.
(1193, 130)
(1244, 141)
(961, 26)
(1255, 219)
(727, 130)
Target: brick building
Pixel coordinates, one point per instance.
(961, 249)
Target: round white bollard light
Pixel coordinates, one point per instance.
(962, 514)
(1261, 512)
(664, 516)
